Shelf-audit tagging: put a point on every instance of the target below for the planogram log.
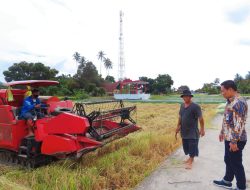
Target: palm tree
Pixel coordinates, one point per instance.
(82, 60)
(77, 56)
(101, 57)
(108, 65)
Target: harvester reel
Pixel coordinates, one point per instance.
(100, 113)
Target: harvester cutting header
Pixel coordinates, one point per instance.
(66, 129)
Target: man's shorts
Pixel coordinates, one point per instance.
(190, 147)
(28, 116)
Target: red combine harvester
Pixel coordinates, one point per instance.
(68, 129)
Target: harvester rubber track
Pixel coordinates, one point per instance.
(26, 157)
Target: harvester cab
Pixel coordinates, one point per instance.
(68, 130)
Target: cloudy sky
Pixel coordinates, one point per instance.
(194, 41)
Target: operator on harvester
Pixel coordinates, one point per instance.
(31, 110)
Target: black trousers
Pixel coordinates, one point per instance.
(234, 166)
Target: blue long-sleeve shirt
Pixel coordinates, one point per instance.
(28, 104)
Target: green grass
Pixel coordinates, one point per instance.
(199, 98)
(90, 98)
(173, 98)
(246, 95)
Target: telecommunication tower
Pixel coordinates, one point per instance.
(121, 62)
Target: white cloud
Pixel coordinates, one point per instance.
(193, 40)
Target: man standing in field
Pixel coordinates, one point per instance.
(234, 135)
(189, 115)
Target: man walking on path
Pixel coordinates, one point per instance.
(234, 135)
(189, 115)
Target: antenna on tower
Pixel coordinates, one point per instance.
(121, 62)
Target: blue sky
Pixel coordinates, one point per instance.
(239, 15)
(195, 41)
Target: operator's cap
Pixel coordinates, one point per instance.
(186, 93)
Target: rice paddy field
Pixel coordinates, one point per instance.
(121, 164)
(199, 98)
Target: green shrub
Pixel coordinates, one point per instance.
(91, 88)
(102, 91)
(81, 94)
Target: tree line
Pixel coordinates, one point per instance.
(162, 84)
(243, 85)
(88, 82)
(85, 82)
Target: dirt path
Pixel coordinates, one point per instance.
(209, 166)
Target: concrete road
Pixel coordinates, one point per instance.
(208, 166)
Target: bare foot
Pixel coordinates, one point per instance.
(189, 166)
(186, 161)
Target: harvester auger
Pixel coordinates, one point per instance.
(68, 130)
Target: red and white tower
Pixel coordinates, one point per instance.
(121, 62)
